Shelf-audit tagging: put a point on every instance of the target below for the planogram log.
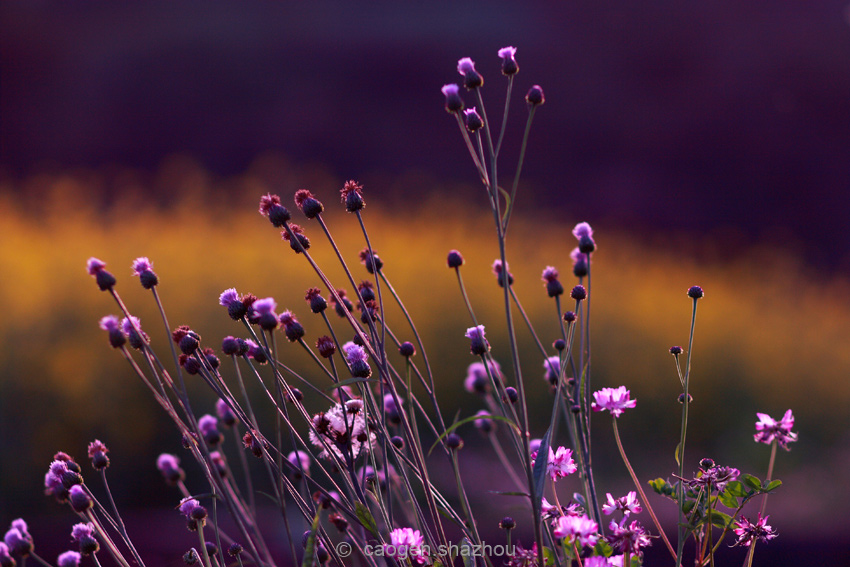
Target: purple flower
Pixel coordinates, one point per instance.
(256, 352)
(748, 532)
(629, 504)
(553, 369)
(535, 96)
(224, 413)
(580, 262)
(93, 266)
(69, 559)
(465, 65)
(208, 425)
(143, 268)
(342, 429)
(632, 538)
(132, 327)
(454, 103)
(109, 323)
(769, 430)
(473, 119)
(509, 64)
(406, 543)
(500, 271)
(6, 560)
(291, 327)
(228, 297)
(613, 400)
(714, 476)
(471, 78)
(104, 279)
(560, 463)
(485, 422)
(352, 195)
(300, 459)
(188, 506)
(477, 381)
(582, 229)
(357, 360)
(81, 531)
(578, 529)
(79, 499)
(270, 207)
(18, 540)
(478, 344)
(169, 466)
(597, 561)
(264, 312)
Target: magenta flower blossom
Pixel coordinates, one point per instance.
(109, 323)
(500, 271)
(613, 400)
(509, 64)
(6, 559)
(629, 504)
(69, 559)
(228, 297)
(582, 229)
(560, 463)
(597, 561)
(748, 532)
(357, 360)
(81, 531)
(141, 265)
(632, 538)
(473, 119)
(169, 466)
(94, 265)
(299, 459)
(265, 306)
(465, 66)
(580, 530)
(478, 344)
(406, 543)
(552, 366)
(477, 381)
(769, 430)
(187, 506)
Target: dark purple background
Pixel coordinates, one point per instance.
(723, 117)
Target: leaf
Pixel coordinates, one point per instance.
(366, 518)
(349, 382)
(678, 454)
(466, 553)
(603, 548)
(548, 556)
(457, 424)
(539, 470)
(772, 485)
(310, 548)
(271, 497)
(720, 519)
(736, 488)
(728, 500)
(752, 482)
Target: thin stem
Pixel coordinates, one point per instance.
(769, 476)
(682, 436)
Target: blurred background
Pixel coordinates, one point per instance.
(707, 143)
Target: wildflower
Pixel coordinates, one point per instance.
(534, 445)
(471, 78)
(553, 285)
(569, 316)
(192, 509)
(713, 476)
(251, 441)
(301, 461)
(509, 64)
(484, 423)
(696, 292)
(132, 327)
(597, 561)
(263, 309)
(143, 268)
(67, 559)
(500, 272)
(294, 234)
(6, 560)
(406, 543)
(326, 346)
(352, 196)
(769, 430)
(510, 395)
(579, 263)
(478, 344)
(236, 308)
(406, 349)
(83, 534)
(523, 557)
(357, 360)
(535, 97)
(477, 381)
(748, 532)
(224, 413)
(454, 103)
(613, 400)
(584, 234)
(579, 293)
(309, 205)
(105, 280)
(68, 476)
(371, 260)
(110, 324)
(169, 466)
(676, 350)
(187, 339)
(579, 530)
(18, 540)
(632, 538)
(552, 366)
(256, 352)
(343, 430)
(507, 523)
(629, 504)
(291, 327)
(208, 426)
(270, 207)
(473, 119)
(79, 499)
(560, 463)
(343, 305)
(234, 549)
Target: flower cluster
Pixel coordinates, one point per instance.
(342, 430)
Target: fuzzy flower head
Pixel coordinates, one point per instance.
(502, 272)
(478, 344)
(81, 531)
(342, 430)
(509, 64)
(552, 368)
(454, 103)
(300, 460)
(748, 532)
(270, 207)
(69, 559)
(471, 78)
(110, 323)
(477, 381)
(614, 400)
(628, 504)
(580, 262)
(94, 265)
(169, 466)
(473, 119)
(560, 463)
(96, 269)
(143, 268)
(357, 359)
(580, 530)
(406, 543)
(714, 477)
(769, 430)
(632, 537)
(6, 559)
(352, 196)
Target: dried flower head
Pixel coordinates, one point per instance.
(294, 234)
(270, 207)
(309, 205)
(352, 196)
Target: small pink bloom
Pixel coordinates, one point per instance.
(578, 529)
(769, 430)
(560, 463)
(613, 400)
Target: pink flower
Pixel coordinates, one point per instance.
(628, 504)
(747, 532)
(769, 430)
(578, 529)
(406, 543)
(560, 463)
(613, 400)
(633, 537)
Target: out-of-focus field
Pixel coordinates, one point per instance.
(770, 335)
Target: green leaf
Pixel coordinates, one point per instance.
(736, 488)
(366, 518)
(457, 424)
(548, 556)
(720, 519)
(603, 548)
(466, 554)
(752, 482)
(539, 470)
(349, 382)
(271, 497)
(310, 548)
(678, 454)
(772, 485)
(728, 500)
